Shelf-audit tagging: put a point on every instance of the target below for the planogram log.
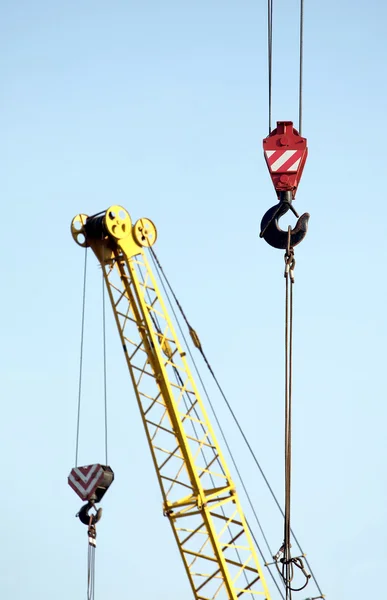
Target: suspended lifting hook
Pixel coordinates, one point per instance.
(285, 153)
(271, 231)
(84, 516)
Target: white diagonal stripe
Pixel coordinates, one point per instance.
(85, 478)
(295, 166)
(92, 483)
(270, 153)
(85, 491)
(282, 159)
(76, 484)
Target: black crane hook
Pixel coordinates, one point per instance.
(84, 516)
(271, 231)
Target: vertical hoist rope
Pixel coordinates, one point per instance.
(104, 357)
(270, 60)
(90, 572)
(270, 52)
(81, 358)
(289, 281)
(81, 363)
(301, 66)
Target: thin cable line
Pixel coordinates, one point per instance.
(270, 53)
(288, 394)
(81, 358)
(270, 61)
(104, 361)
(301, 66)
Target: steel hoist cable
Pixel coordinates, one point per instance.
(286, 571)
(91, 473)
(289, 274)
(270, 62)
(301, 68)
(104, 361)
(270, 53)
(91, 564)
(81, 359)
(283, 556)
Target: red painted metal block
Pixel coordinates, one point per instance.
(285, 153)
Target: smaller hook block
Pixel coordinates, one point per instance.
(91, 482)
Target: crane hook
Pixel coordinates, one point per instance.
(84, 516)
(271, 231)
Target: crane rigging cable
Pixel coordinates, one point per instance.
(91, 563)
(104, 366)
(289, 274)
(91, 482)
(288, 562)
(301, 72)
(81, 359)
(270, 54)
(270, 61)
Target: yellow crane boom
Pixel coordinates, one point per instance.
(199, 496)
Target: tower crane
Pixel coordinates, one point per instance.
(199, 496)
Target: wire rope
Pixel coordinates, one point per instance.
(104, 361)
(91, 571)
(300, 91)
(80, 379)
(270, 63)
(270, 53)
(287, 565)
(81, 359)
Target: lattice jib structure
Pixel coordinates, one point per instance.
(199, 497)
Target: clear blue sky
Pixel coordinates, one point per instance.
(162, 107)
